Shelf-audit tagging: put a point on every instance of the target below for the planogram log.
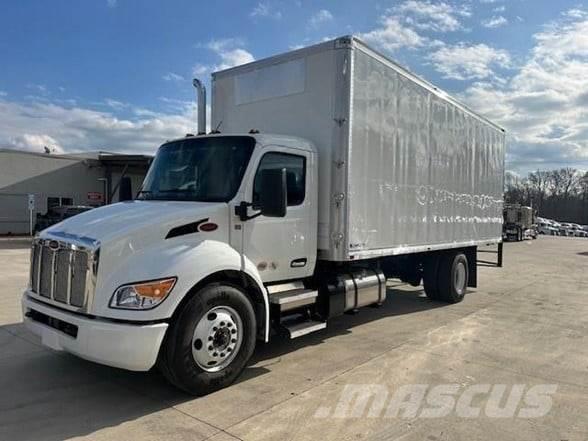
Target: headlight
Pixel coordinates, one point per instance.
(144, 295)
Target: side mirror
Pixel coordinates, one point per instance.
(125, 190)
(273, 198)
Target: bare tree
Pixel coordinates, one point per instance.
(558, 194)
(565, 181)
(539, 182)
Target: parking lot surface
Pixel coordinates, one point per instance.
(526, 324)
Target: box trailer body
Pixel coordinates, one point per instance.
(328, 170)
(402, 166)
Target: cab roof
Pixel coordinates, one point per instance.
(261, 138)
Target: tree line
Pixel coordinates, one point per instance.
(560, 194)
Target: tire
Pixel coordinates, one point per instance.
(430, 276)
(453, 277)
(193, 363)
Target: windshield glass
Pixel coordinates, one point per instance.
(198, 169)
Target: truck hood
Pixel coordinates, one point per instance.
(137, 224)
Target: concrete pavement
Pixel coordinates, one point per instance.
(526, 325)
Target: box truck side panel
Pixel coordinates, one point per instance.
(291, 94)
(423, 173)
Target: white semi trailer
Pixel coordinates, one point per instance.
(335, 170)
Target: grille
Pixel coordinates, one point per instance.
(61, 275)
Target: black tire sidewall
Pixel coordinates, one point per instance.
(187, 374)
(448, 291)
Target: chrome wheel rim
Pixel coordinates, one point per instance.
(217, 338)
(460, 278)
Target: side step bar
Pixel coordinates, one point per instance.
(294, 298)
(299, 329)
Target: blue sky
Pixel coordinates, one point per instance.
(115, 74)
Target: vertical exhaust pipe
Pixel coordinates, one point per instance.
(201, 97)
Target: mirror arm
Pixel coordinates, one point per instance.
(241, 211)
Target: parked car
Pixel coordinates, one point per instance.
(578, 231)
(545, 226)
(565, 229)
(55, 215)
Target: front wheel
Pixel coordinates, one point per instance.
(210, 340)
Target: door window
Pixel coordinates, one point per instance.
(295, 166)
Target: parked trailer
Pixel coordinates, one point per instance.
(519, 221)
(234, 236)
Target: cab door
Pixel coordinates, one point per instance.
(285, 247)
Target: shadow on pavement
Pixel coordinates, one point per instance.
(54, 396)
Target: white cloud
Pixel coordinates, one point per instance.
(432, 16)
(115, 104)
(229, 52)
(544, 105)
(39, 88)
(392, 35)
(34, 143)
(500, 8)
(399, 27)
(2, 93)
(172, 76)
(495, 22)
(320, 17)
(112, 3)
(31, 126)
(576, 13)
(463, 62)
(264, 10)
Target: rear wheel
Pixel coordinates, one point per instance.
(453, 277)
(210, 340)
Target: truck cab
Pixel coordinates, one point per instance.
(211, 207)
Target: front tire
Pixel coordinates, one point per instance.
(210, 340)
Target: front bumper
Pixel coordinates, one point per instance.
(127, 346)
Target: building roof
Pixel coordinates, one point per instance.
(103, 157)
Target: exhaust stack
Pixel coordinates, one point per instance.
(201, 97)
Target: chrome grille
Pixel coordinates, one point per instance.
(64, 272)
(78, 279)
(46, 275)
(35, 265)
(62, 275)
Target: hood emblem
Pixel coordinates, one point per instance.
(53, 245)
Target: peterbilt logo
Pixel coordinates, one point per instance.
(53, 244)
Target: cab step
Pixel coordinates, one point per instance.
(298, 329)
(291, 296)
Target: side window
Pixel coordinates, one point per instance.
(295, 174)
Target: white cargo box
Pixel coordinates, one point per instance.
(403, 167)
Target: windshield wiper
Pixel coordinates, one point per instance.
(146, 192)
(176, 190)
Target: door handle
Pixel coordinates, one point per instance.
(298, 263)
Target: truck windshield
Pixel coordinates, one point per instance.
(198, 169)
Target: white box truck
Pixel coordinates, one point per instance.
(329, 170)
